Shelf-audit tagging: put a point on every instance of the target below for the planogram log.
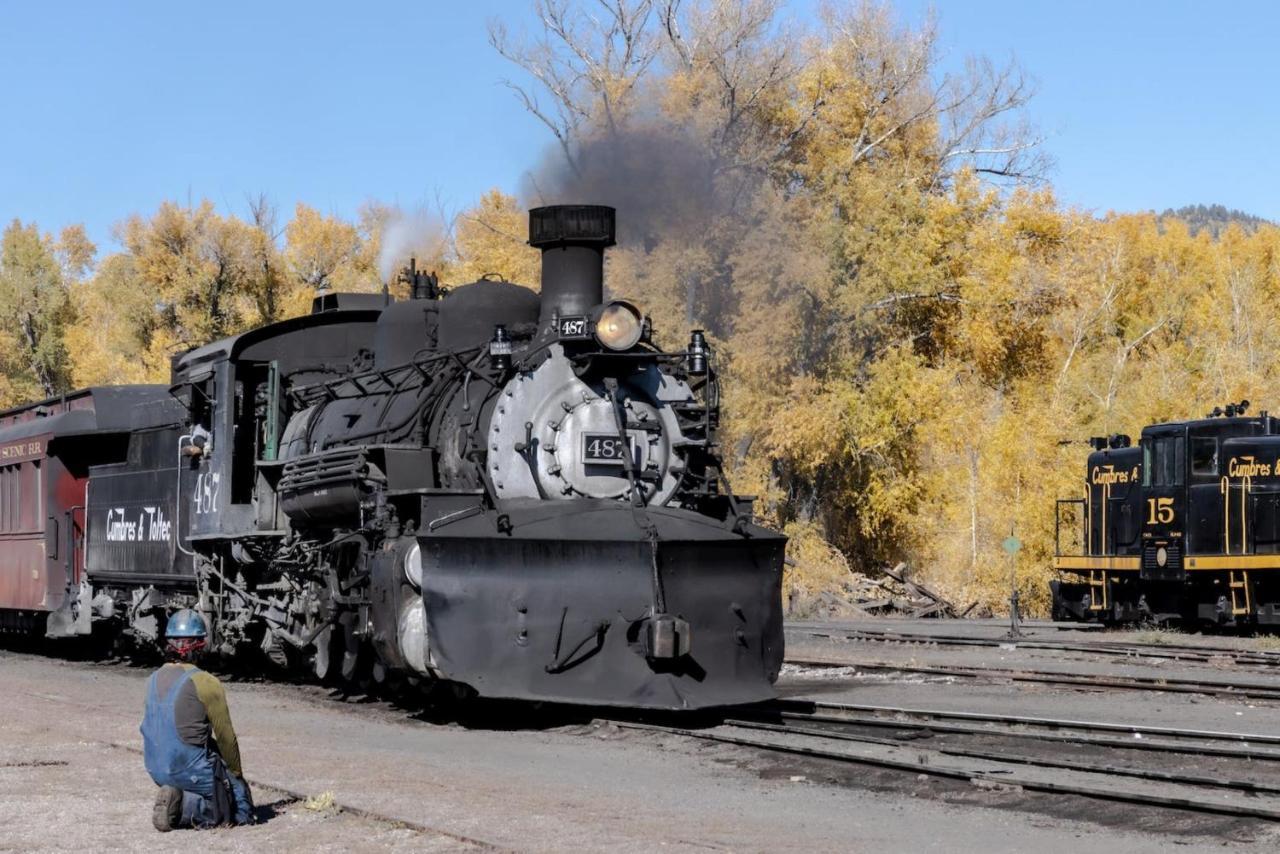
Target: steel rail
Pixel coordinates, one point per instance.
(1148, 738)
(1250, 658)
(808, 708)
(1031, 720)
(1099, 681)
(1020, 759)
(999, 779)
(1142, 744)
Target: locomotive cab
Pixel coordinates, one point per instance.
(236, 391)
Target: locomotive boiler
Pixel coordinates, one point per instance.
(486, 486)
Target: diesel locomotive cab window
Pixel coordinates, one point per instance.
(1204, 455)
(1164, 460)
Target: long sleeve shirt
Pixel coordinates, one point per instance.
(200, 712)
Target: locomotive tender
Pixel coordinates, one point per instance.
(492, 487)
(1185, 527)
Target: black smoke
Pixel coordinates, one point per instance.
(661, 178)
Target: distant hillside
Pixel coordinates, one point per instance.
(1214, 218)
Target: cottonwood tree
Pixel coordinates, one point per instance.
(270, 286)
(733, 73)
(589, 65)
(491, 238)
(318, 247)
(35, 309)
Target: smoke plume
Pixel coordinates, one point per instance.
(690, 219)
(661, 179)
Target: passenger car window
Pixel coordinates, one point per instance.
(1204, 455)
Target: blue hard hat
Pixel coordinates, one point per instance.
(186, 624)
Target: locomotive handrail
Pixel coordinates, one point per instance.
(329, 387)
(1246, 489)
(70, 560)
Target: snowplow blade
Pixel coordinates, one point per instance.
(591, 603)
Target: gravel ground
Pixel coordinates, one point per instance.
(59, 792)
(71, 778)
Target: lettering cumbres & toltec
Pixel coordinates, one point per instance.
(138, 525)
(1248, 466)
(1108, 474)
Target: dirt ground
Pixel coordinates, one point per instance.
(71, 778)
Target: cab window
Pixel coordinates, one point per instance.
(1204, 455)
(1164, 461)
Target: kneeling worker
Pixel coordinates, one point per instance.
(189, 746)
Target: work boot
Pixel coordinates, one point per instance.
(167, 813)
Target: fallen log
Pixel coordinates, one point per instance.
(899, 574)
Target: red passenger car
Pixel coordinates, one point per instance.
(46, 450)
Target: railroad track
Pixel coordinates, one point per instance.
(999, 751)
(1243, 690)
(1234, 745)
(1118, 649)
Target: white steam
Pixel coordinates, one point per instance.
(407, 234)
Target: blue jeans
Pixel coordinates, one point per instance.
(198, 810)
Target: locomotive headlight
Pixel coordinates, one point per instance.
(1162, 556)
(619, 326)
(413, 566)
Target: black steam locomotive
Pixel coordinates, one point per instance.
(1185, 527)
(485, 486)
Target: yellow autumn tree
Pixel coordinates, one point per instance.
(915, 337)
(491, 238)
(186, 276)
(35, 309)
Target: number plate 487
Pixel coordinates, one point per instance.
(603, 448)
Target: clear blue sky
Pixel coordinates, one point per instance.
(109, 108)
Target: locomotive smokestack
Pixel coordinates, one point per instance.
(572, 239)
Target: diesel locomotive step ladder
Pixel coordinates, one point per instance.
(1238, 583)
(1097, 590)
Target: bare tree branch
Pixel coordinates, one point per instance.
(589, 63)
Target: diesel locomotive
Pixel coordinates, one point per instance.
(484, 486)
(1184, 527)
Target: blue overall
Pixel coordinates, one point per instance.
(172, 762)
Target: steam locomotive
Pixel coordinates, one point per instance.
(482, 486)
(1184, 527)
